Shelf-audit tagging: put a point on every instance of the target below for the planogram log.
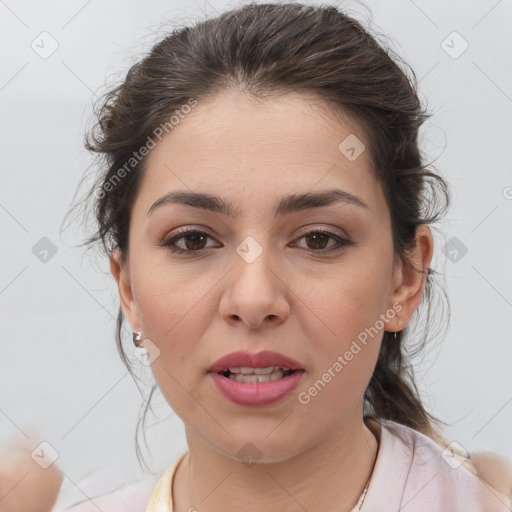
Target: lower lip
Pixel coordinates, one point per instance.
(260, 393)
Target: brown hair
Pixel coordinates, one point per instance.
(265, 49)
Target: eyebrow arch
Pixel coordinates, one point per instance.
(285, 205)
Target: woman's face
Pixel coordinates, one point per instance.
(258, 281)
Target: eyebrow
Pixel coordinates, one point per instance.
(285, 205)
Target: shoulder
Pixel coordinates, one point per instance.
(452, 476)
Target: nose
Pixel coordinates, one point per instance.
(256, 294)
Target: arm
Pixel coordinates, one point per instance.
(24, 485)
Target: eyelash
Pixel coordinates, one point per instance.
(169, 244)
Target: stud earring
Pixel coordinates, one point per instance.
(137, 336)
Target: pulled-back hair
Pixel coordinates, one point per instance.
(280, 48)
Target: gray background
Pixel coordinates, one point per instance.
(60, 373)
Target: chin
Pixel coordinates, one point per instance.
(260, 449)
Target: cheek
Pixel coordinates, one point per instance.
(171, 298)
(343, 367)
(341, 304)
(169, 319)
(341, 319)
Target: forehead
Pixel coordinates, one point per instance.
(234, 144)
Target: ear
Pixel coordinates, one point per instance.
(410, 277)
(121, 273)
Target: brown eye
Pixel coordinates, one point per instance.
(318, 240)
(193, 241)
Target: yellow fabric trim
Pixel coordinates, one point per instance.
(161, 498)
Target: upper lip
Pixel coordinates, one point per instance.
(258, 360)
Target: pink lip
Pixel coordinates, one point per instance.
(261, 393)
(257, 360)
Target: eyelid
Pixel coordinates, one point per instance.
(324, 228)
(184, 230)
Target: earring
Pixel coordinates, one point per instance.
(137, 336)
(394, 334)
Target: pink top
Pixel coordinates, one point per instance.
(412, 476)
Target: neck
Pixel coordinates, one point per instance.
(331, 475)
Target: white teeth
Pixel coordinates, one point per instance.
(245, 370)
(263, 371)
(254, 379)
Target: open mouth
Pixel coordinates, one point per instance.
(257, 375)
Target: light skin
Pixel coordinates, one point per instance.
(298, 297)
(25, 486)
